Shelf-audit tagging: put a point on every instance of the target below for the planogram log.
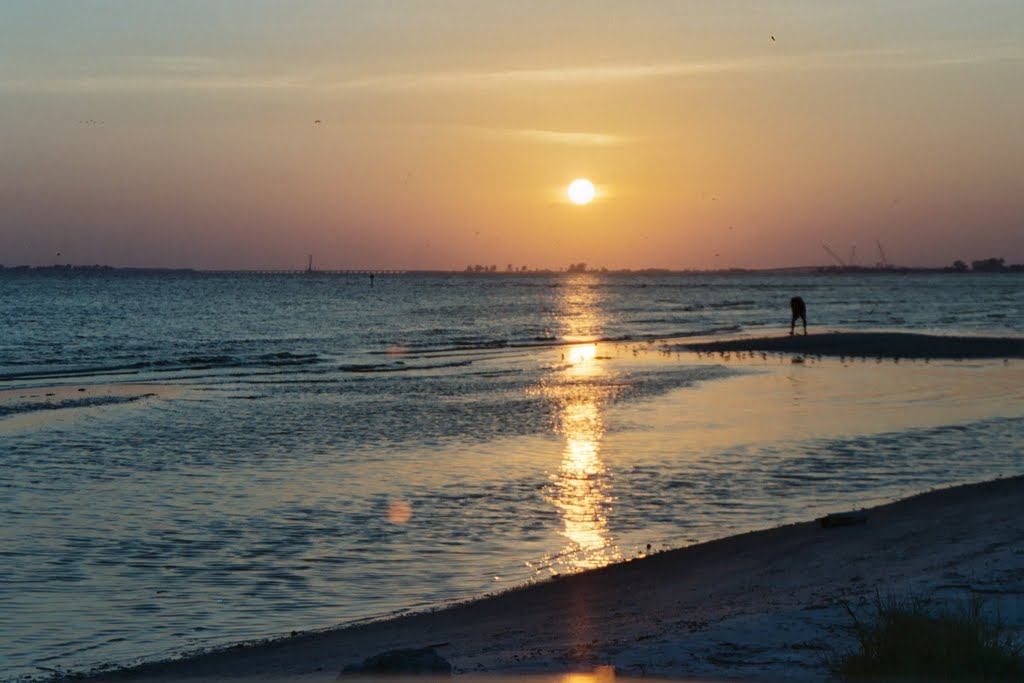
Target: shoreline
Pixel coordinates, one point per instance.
(37, 406)
(759, 605)
(869, 344)
(762, 605)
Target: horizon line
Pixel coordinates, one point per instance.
(811, 269)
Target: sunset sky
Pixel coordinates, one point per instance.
(183, 133)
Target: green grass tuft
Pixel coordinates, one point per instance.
(909, 638)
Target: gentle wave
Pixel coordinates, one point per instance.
(272, 360)
(400, 366)
(22, 407)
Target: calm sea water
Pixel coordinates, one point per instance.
(309, 451)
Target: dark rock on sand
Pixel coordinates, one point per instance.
(843, 519)
(424, 660)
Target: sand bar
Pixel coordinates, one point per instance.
(763, 605)
(37, 406)
(43, 395)
(872, 344)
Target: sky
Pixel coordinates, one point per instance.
(391, 134)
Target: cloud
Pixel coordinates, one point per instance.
(558, 137)
(550, 76)
(185, 72)
(617, 74)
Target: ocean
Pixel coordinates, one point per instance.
(189, 460)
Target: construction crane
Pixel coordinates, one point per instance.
(834, 255)
(883, 263)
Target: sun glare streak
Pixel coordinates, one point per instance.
(581, 489)
(583, 498)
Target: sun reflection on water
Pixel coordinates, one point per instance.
(580, 354)
(581, 490)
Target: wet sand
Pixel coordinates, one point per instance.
(871, 344)
(41, 406)
(58, 393)
(764, 605)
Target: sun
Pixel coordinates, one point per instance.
(581, 191)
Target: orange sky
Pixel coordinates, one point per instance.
(185, 135)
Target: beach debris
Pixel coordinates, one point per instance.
(423, 660)
(843, 519)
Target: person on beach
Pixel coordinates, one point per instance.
(796, 304)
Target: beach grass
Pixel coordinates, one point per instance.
(911, 638)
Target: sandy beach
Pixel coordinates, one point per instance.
(764, 605)
(872, 344)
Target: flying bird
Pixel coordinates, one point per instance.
(773, 39)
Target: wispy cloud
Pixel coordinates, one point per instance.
(559, 137)
(614, 74)
(547, 76)
(203, 73)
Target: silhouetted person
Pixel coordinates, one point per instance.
(371, 279)
(796, 304)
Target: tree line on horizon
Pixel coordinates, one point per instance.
(987, 265)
